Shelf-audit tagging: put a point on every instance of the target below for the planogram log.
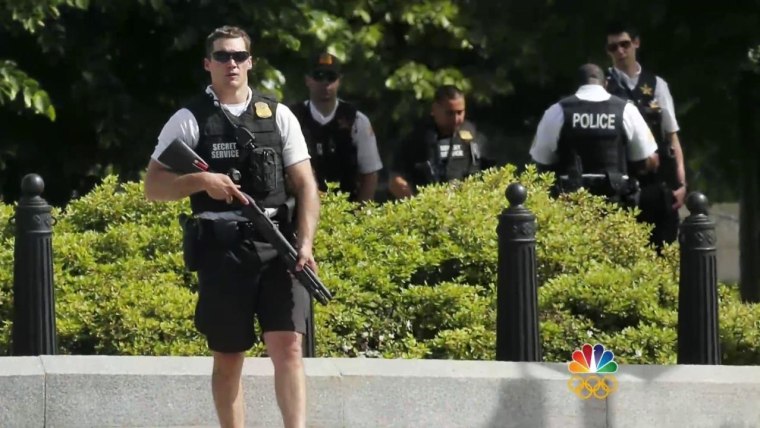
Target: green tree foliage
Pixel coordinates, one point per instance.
(14, 82)
(411, 279)
(114, 70)
(30, 16)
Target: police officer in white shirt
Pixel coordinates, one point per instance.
(591, 138)
(342, 144)
(662, 193)
(183, 125)
(232, 127)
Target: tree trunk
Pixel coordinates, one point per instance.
(749, 209)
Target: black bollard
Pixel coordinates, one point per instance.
(698, 339)
(517, 335)
(33, 298)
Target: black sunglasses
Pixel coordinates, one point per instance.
(324, 76)
(224, 56)
(625, 44)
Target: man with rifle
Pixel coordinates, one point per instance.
(662, 192)
(243, 135)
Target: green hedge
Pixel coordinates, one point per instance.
(411, 279)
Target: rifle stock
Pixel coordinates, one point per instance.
(182, 159)
(668, 170)
(668, 167)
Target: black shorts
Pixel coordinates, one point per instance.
(231, 295)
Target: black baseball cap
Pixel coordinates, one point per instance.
(324, 61)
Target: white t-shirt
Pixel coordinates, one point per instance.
(184, 126)
(641, 143)
(362, 135)
(661, 96)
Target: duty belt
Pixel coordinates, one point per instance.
(228, 231)
(611, 185)
(593, 180)
(232, 215)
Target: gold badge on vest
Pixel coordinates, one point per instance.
(465, 135)
(262, 110)
(646, 89)
(343, 123)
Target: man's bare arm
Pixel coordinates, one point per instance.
(367, 186)
(301, 180)
(645, 166)
(164, 185)
(652, 162)
(678, 194)
(678, 153)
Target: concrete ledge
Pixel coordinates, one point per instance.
(98, 391)
(22, 392)
(694, 396)
(429, 393)
(90, 391)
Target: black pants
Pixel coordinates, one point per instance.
(656, 209)
(665, 229)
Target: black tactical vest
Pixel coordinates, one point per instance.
(594, 131)
(331, 146)
(224, 147)
(448, 159)
(642, 96)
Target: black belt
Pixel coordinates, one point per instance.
(592, 179)
(595, 182)
(228, 231)
(602, 184)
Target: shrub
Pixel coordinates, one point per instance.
(411, 279)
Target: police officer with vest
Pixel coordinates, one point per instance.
(663, 192)
(441, 148)
(589, 139)
(341, 142)
(240, 277)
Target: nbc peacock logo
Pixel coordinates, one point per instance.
(592, 371)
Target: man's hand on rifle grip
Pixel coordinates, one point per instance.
(305, 257)
(221, 187)
(679, 195)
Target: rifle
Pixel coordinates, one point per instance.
(574, 179)
(183, 160)
(668, 170)
(426, 172)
